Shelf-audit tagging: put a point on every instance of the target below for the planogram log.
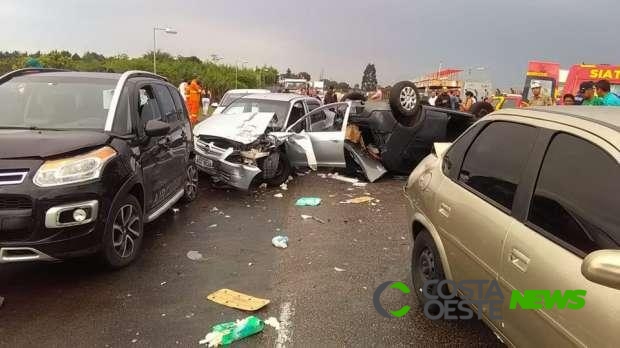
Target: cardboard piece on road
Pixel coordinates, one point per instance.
(358, 200)
(233, 299)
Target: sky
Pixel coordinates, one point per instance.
(403, 38)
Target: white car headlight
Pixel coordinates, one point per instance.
(73, 169)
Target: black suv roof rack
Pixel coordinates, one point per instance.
(26, 71)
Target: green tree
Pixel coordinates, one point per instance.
(369, 79)
(304, 75)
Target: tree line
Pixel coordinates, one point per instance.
(216, 77)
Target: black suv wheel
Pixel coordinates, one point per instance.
(123, 234)
(191, 183)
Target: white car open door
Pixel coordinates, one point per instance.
(319, 136)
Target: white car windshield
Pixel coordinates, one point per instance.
(280, 108)
(41, 102)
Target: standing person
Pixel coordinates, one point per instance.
(378, 95)
(539, 99)
(443, 99)
(206, 100)
(182, 88)
(194, 93)
(568, 99)
(469, 101)
(454, 100)
(330, 96)
(603, 90)
(432, 98)
(589, 98)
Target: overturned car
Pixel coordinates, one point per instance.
(257, 143)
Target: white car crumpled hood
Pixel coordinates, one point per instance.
(242, 128)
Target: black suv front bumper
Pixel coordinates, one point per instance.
(42, 223)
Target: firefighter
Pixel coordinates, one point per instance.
(538, 99)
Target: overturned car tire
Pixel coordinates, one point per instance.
(405, 102)
(481, 109)
(353, 96)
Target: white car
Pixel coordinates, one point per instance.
(232, 95)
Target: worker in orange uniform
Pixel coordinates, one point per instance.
(194, 95)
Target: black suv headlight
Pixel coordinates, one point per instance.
(75, 169)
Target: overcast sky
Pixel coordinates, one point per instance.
(404, 38)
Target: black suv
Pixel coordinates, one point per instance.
(86, 159)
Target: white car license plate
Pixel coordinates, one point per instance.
(204, 162)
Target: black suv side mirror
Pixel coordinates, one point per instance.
(155, 128)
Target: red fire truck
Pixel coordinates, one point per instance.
(548, 75)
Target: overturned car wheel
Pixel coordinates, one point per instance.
(405, 102)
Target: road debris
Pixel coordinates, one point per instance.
(213, 226)
(227, 216)
(134, 340)
(227, 333)
(273, 322)
(163, 283)
(308, 202)
(189, 316)
(194, 255)
(175, 210)
(280, 242)
(310, 217)
(360, 184)
(263, 186)
(358, 200)
(339, 269)
(284, 187)
(278, 195)
(214, 209)
(234, 299)
(342, 178)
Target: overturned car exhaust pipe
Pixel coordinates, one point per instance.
(10, 255)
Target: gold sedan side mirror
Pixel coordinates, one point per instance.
(603, 267)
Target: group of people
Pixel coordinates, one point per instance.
(195, 97)
(594, 94)
(451, 99)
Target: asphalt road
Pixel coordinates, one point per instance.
(161, 300)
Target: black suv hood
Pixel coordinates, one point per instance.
(34, 143)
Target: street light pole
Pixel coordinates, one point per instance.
(165, 30)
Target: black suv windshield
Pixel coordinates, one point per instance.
(40, 102)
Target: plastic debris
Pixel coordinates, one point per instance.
(339, 269)
(273, 322)
(308, 202)
(280, 242)
(194, 255)
(163, 283)
(284, 187)
(214, 209)
(227, 216)
(321, 175)
(358, 200)
(213, 226)
(134, 340)
(310, 217)
(227, 333)
(360, 184)
(189, 316)
(278, 195)
(175, 210)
